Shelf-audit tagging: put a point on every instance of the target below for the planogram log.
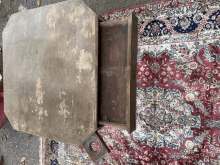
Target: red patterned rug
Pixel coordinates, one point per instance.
(178, 98)
(3, 117)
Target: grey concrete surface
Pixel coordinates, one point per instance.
(19, 144)
(103, 6)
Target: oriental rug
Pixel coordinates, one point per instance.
(3, 117)
(178, 97)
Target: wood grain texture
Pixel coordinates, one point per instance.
(112, 124)
(131, 73)
(112, 75)
(117, 76)
(50, 68)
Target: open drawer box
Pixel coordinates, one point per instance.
(67, 73)
(117, 73)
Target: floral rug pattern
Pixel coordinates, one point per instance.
(178, 90)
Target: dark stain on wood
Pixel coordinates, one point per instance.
(117, 73)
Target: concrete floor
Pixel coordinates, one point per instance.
(20, 144)
(17, 145)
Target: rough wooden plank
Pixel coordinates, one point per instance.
(131, 73)
(50, 68)
(112, 75)
(101, 122)
(114, 22)
(117, 76)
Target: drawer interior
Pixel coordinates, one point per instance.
(117, 73)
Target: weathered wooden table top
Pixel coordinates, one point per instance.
(50, 71)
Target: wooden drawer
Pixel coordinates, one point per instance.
(117, 65)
